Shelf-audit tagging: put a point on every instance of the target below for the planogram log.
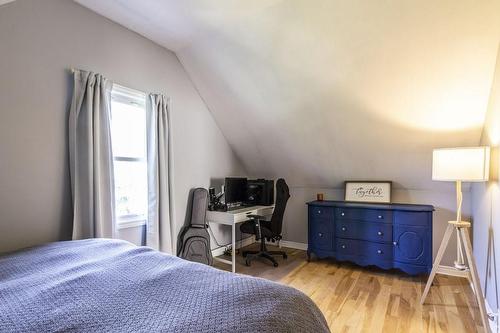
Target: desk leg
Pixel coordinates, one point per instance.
(233, 250)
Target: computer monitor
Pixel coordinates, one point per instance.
(260, 192)
(235, 190)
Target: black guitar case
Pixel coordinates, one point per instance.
(194, 241)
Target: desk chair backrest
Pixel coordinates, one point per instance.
(282, 195)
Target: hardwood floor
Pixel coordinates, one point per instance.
(360, 299)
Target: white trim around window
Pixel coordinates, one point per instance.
(131, 221)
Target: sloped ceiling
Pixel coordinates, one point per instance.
(3, 2)
(328, 90)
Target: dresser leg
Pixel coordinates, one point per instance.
(308, 254)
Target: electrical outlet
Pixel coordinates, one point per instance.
(493, 321)
(228, 251)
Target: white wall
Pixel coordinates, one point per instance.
(39, 41)
(295, 222)
(486, 200)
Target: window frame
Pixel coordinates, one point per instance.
(136, 98)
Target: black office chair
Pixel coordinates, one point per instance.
(270, 230)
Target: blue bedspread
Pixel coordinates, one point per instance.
(113, 286)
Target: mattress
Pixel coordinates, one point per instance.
(102, 285)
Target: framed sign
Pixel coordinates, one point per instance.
(368, 191)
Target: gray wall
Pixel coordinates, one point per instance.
(323, 91)
(39, 41)
(486, 199)
(337, 90)
(341, 90)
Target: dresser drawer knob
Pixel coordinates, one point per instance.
(343, 246)
(395, 243)
(380, 233)
(320, 234)
(343, 228)
(319, 212)
(379, 251)
(380, 217)
(342, 214)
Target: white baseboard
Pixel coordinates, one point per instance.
(289, 244)
(294, 245)
(493, 322)
(251, 240)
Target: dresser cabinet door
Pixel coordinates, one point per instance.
(411, 244)
(412, 218)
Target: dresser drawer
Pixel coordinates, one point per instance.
(322, 218)
(372, 251)
(320, 239)
(372, 215)
(376, 232)
(319, 212)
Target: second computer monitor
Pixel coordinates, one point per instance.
(241, 191)
(235, 190)
(260, 192)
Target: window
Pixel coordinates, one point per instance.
(128, 134)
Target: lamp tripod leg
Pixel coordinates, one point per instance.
(437, 262)
(475, 277)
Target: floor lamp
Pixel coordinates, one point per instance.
(460, 165)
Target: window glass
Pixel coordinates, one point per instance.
(131, 188)
(128, 136)
(128, 130)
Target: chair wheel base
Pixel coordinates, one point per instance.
(250, 255)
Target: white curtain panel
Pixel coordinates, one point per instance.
(159, 226)
(91, 160)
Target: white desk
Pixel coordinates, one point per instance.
(232, 218)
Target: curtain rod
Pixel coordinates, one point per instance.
(73, 70)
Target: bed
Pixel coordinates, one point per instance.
(102, 285)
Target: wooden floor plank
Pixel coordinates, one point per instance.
(366, 299)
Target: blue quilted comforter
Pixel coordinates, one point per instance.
(102, 285)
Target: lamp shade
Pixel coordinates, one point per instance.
(469, 164)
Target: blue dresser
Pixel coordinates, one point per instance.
(384, 235)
